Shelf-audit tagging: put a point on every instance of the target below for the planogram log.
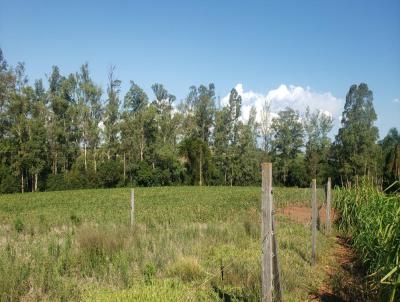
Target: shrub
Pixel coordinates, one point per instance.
(109, 174)
(9, 184)
(76, 180)
(144, 175)
(19, 225)
(56, 182)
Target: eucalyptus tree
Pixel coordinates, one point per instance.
(221, 142)
(265, 127)
(165, 151)
(18, 111)
(133, 134)
(288, 139)
(89, 105)
(112, 116)
(391, 156)
(200, 111)
(317, 126)
(355, 149)
(38, 148)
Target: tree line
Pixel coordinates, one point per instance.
(71, 134)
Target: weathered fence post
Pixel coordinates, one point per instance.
(266, 232)
(314, 220)
(132, 207)
(328, 206)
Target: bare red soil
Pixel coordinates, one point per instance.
(303, 214)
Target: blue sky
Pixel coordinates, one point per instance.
(293, 52)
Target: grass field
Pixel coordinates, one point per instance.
(189, 244)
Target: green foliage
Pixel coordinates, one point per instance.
(355, 149)
(288, 133)
(317, 126)
(19, 225)
(391, 158)
(109, 174)
(372, 220)
(62, 137)
(149, 273)
(8, 183)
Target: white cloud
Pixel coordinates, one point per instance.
(396, 100)
(284, 96)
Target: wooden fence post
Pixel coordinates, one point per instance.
(314, 220)
(132, 207)
(328, 206)
(266, 232)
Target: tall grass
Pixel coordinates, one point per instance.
(372, 219)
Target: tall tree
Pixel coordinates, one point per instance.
(355, 148)
(89, 112)
(317, 125)
(133, 134)
(111, 116)
(37, 143)
(288, 133)
(18, 113)
(391, 155)
(200, 109)
(266, 133)
(221, 142)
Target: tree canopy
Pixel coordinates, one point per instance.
(67, 133)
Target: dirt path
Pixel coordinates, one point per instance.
(303, 214)
(344, 282)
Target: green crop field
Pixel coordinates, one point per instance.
(188, 244)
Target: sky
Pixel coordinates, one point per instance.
(294, 53)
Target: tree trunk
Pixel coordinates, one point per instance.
(231, 175)
(201, 168)
(94, 161)
(55, 164)
(124, 167)
(142, 145)
(36, 181)
(22, 182)
(84, 146)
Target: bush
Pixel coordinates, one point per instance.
(56, 182)
(144, 175)
(9, 184)
(109, 174)
(76, 180)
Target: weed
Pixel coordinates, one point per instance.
(19, 225)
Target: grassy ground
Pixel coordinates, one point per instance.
(189, 244)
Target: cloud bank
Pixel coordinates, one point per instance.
(284, 96)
